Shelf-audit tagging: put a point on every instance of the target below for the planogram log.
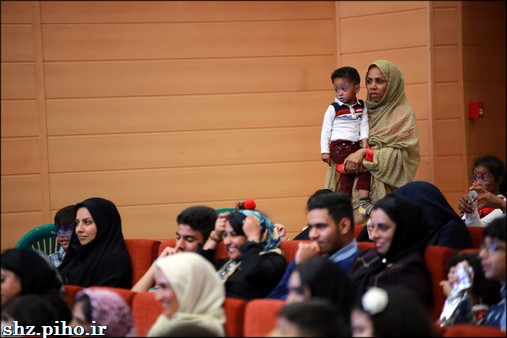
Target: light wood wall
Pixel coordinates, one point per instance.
(162, 105)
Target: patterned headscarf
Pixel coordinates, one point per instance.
(270, 239)
(110, 310)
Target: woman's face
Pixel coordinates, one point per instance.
(86, 229)
(165, 294)
(11, 285)
(381, 230)
(79, 317)
(232, 242)
(297, 292)
(481, 176)
(361, 324)
(376, 84)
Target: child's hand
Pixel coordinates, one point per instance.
(326, 158)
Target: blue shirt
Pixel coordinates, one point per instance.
(344, 257)
(496, 313)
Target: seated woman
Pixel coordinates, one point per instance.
(319, 277)
(446, 227)
(190, 293)
(28, 272)
(104, 308)
(255, 263)
(488, 173)
(97, 254)
(400, 232)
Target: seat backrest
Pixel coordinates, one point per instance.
(143, 253)
(126, 294)
(70, 293)
(436, 258)
(234, 309)
(42, 238)
(468, 330)
(477, 234)
(145, 309)
(260, 316)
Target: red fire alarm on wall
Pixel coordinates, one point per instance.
(475, 110)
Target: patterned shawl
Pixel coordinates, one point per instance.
(393, 136)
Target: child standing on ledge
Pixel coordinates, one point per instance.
(345, 130)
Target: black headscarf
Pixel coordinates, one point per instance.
(446, 227)
(411, 235)
(103, 261)
(37, 276)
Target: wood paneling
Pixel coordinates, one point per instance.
(19, 118)
(417, 95)
(16, 225)
(17, 43)
(189, 185)
(18, 81)
(425, 170)
(187, 40)
(181, 11)
(446, 101)
(415, 33)
(445, 65)
(425, 131)
(20, 156)
(445, 27)
(185, 149)
(366, 8)
(21, 193)
(16, 12)
(448, 137)
(482, 58)
(182, 113)
(451, 175)
(128, 78)
(480, 31)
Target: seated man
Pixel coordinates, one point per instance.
(331, 231)
(194, 227)
(65, 220)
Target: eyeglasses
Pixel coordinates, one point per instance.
(65, 230)
(486, 177)
(492, 247)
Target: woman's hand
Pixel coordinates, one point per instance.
(252, 228)
(354, 162)
(220, 224)
(282, 231)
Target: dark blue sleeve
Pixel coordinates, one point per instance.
(281, 290)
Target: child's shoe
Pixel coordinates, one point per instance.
(365, 206)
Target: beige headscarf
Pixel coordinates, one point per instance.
(393, 136)
(199, 291)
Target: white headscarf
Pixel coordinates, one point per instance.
(200, 294)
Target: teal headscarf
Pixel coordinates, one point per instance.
(270, 239)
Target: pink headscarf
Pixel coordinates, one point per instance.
(109, 309)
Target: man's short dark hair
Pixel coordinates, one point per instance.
(338, 205)
(200, 218)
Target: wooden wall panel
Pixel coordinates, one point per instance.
(189, 185)
(18, 81)
(185, 149)
(21, 193)
(451, 175)
(445, 67)
(448, 137)
(365, 8)
(17, 43)
(20, 156)
(425, 131)
(19, 118)
(417, 95)
(425, 170)
(182, 11)
(354, 40)
(187, 40)
(446, 101)
(446, 24)
(16, 225)
(16, 12)
(129, 78)
(476, 59)
(182, 113)
(480, 31)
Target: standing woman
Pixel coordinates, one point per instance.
(97, 254)
(393, 156)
